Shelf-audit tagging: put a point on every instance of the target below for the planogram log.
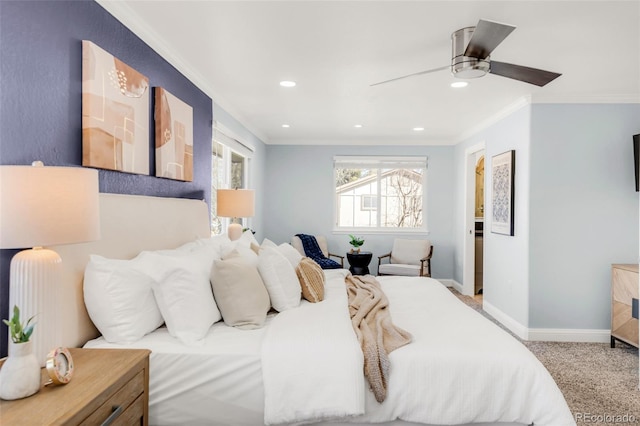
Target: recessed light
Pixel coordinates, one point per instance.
(287, 83)
(286, 126)
(458, 84)
(357, 126)
(418, 129)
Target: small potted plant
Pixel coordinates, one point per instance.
(20, 373)
(355, 242)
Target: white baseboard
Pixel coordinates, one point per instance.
(516, 328)
(547, 334)
(569, 335)
(451, 283)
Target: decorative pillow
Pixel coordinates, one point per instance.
(311, 279)
(182, 290)
(292, 255)
(255, 247)
(279, 278)
(242, 298)
(119, 299)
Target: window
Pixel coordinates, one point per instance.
(229, 169)
(368, 202)
(380, 193)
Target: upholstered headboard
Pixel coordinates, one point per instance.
(129, 225)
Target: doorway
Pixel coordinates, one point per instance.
(479, 226)
(473, 241)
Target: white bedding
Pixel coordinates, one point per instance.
(460, 368)
(313, 345)
(218, 382)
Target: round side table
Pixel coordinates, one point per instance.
(359, 262)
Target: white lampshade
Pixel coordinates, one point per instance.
(42, 206)
(235, 203)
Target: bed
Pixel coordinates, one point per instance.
(304, 364)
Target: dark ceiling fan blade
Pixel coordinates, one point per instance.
(526, 74)
(486, 37)
(411, 75)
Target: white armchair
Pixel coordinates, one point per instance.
(407, 257)
(296, 242)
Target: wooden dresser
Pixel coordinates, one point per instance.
(105, 382)
(624, 303)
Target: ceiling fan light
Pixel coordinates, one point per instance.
(287, 83)
(467, 68)
(418, 129)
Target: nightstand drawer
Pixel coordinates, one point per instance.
(123, 398)
(132, 415)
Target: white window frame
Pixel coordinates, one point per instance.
(364, 197)
(231, 145)
(380, 162)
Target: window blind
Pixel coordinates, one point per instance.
(379, 162)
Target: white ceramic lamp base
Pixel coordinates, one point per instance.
(33, 287)
(234, 231)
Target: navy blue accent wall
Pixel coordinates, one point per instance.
(40, 100)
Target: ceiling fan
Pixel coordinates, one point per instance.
(471, 47)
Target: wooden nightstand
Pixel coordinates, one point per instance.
(624, 304)
(103, 380)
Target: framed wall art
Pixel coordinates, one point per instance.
(174, 136)
(502, 192)
(115, 113)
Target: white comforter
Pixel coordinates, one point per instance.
(311, 363)
(460, 368)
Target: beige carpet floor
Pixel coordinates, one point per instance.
(599, 383)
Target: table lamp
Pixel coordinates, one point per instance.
(235, 203)
(42, 206)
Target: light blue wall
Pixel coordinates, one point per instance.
(584, 210)
(299, 182)
(576, 213)
(506, 258)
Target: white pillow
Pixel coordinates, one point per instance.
(183, 292)
(268, 243)
(279, 278)
(293, 256)
(119, 299)
(214, 243)
(243, 246)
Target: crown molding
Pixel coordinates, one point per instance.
(617, 98)
(548, 99)
(423, 141)
(130, 19)
(499, 116)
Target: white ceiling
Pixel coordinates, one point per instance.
(238, 51)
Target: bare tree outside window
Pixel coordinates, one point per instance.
(405, 188)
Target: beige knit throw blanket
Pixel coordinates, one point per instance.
(378, 337)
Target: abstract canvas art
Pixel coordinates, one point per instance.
(115, 113)
(502, 192)
(174, 136)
